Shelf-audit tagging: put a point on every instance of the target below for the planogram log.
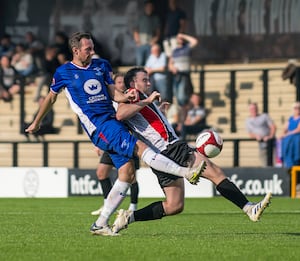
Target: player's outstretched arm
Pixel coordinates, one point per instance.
(127, 110)
(43, 110)
(118, 96)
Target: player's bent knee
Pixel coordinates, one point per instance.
(173, 208)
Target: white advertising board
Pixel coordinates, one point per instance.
(149, 187)
(33, 182)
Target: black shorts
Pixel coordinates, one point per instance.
(181, 153)
(105, 159)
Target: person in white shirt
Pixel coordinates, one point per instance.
(156, 67)
(262, 128)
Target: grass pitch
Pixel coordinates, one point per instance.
(208, 229)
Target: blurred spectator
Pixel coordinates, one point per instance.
(179, 66)
(290, 139)
(22, 61)
(171, 111)
(36, 48)
(62, 58)
(146, 33)
(124, 40)
(103, 21)
(289, 72)
(156, 65)
(46, 126)
(50, 64)
(10, 81)
(61, 43)
(175, 24)
(7, 47)
(195, 120)
(262, 128)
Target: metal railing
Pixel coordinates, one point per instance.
(202, 90)
(76, 144)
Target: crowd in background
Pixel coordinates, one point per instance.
(22, 63)
(165, 53)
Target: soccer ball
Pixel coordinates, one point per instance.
(209, 143)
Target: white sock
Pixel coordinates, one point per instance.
(132, 207)
(162, 163)
(131, 218)
(114, 199)
(247, 206)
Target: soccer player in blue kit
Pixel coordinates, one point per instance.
(90, 90)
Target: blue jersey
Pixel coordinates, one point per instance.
(86, 90)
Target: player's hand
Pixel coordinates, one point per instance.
(132, 95)
(32, 128)
(154, 96)
(164, 106)
(98, 151)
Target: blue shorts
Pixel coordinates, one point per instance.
(106, 159)
(114, 137)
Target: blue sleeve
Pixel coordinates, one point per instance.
(108, 73)
(57, 83)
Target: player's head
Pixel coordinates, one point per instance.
(82, 47)
(138, 78)
(119, 82)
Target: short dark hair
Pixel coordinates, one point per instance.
(129, 76)
(75, 38)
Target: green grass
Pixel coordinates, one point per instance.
(208, 229)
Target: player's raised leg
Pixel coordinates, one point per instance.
(231, 192)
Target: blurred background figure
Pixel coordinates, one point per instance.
(175, 23)
(124, 40)
(61, 44)
(146, 33)
(46, 126)
(7, 47)
(195, 120)
(50, 63)
(262, 128)
(62, 58)
(156, 66)
(36, 48)
(179, 67)
(290, 139)
(10, 81)
(171, 111)
(23, 61)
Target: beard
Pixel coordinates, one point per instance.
(87, 61)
